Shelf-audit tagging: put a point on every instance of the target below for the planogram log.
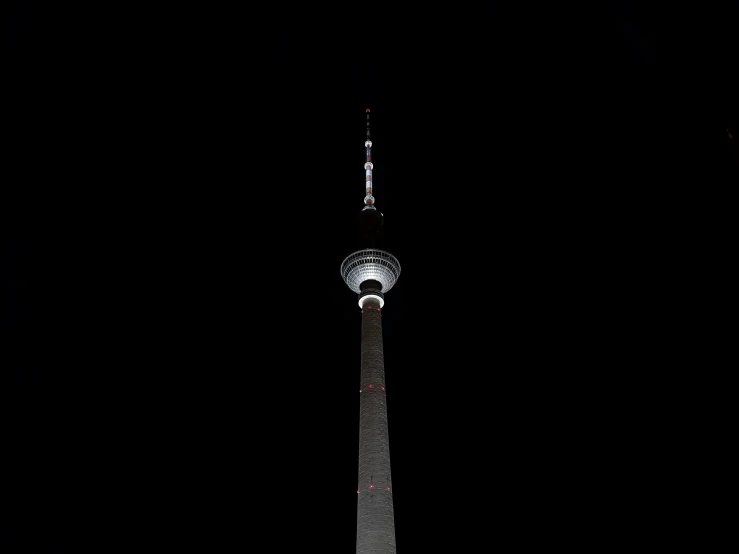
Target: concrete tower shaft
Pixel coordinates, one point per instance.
(375, 518)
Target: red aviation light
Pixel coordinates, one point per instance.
(372, 386)
(371, 487)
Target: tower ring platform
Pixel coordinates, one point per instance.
(370, 264)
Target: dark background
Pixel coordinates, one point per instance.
(182, 183)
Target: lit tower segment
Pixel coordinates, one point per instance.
(371, 272)
(369, 200)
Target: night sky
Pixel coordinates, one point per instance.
(182, 185)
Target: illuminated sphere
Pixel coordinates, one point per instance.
(370, 264)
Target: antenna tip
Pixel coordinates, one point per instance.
(367, 110)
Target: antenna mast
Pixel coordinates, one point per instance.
(369, 200)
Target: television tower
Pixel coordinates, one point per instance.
(371, 272)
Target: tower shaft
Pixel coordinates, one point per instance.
(375, 519)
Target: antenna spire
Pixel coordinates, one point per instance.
(369, 200)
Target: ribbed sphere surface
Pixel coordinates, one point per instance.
(370, 263)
